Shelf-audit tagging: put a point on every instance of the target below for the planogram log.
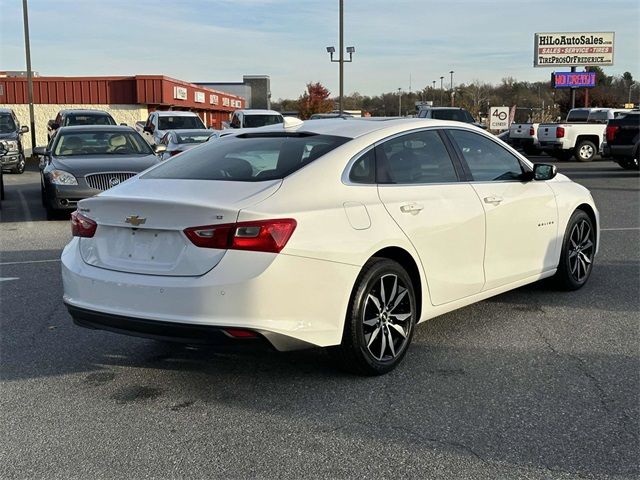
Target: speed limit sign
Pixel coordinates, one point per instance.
(499, 118)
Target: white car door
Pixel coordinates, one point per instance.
(522, 216)
(419, 186)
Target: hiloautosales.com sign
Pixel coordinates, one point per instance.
(573, 49)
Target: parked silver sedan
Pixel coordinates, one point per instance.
(177, 141)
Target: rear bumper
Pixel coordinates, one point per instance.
(549, 146)
(157, 330)
(293, 302)
(622, 151)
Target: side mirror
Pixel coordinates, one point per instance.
(148, 128)
(159, 149)
(54, 125)
(544, 171)
(24, 129)
(40, 151)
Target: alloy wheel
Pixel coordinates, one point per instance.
(586, 152)
(580, 250)
(387, 318)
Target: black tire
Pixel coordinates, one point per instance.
(578, 250)
(585, 151)
(389, 333)
(19, 168)
(629, 164)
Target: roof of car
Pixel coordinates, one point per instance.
(6, 110)
(441, 108)
(191, 131)
(356, 127)
(175, 113)
(84, 111)
(96, 128)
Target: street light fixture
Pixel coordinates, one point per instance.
(341, 60)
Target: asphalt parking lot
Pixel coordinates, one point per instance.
(530, 384)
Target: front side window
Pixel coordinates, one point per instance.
(248, 157)
(487, 160)
(416, 158)
(100, 143)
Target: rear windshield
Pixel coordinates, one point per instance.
(100, 143)
(598, 117)
(180, 122)
(90, 119)
(453, 114)
(578, 115)
(7, 125)
(248, 157)
(254, 121)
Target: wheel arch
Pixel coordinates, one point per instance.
(591, 138)
(588, 209)
(406, 260)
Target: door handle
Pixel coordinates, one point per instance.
(493, 200)
(412, 208)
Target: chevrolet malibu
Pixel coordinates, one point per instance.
(330, 233)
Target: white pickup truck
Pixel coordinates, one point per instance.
(579, 136)
(525, 136)
(253, 119)
(158, 123)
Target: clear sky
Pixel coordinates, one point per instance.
(220, 40)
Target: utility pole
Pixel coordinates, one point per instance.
(452, 94)
(25, 16)
(399, 101)
(441, 90)
(573, 92)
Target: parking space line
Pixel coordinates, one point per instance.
(26, 262)
(25, 208)
(618, 229)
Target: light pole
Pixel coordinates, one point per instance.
(399, 101)
(441, 90)
(341, 60)
(433, 92)
(25, 16)
(451, 73)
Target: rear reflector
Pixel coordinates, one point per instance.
(258, 236)
(559, 132)
(240, 333)
(82, 226)
(532, 132)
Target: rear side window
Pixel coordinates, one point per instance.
(248, 157)
(363, 169)
(487, 160)
(415, 158)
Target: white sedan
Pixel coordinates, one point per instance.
(340, 233)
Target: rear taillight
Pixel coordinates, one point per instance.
(532, 132)
(559, 132)
(82, 226)
(258, 236)
(611, 132)
(240, 333)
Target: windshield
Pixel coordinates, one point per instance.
(88, 119)
(254, 121)
(248, 157)
(70, 144)
(180, 122)
(192, 137)
(7, 125)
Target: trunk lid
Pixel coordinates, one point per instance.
(547, 133)
(141, 223)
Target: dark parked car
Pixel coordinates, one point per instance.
(78, 117)
(456, 114)
(83, 161)
(3, 150)
(11, 132)
(623, 140)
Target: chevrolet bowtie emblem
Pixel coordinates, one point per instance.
(135, 220)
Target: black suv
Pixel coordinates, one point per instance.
(456, 114)
(11, 134)
(78, 117)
